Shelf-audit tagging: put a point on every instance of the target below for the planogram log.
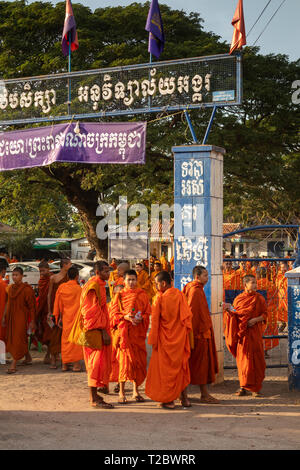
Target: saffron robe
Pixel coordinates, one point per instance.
(204, 360)
(113, 277)
(44, 331)
(272, 326)
(3, 299)
(20, 307)
(66, 306)
(246, 343)
(55, 337)
(171, 324)
(144, 282)
(131, 339)
(281, 285)
(95, 316)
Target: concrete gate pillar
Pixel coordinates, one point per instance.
(198, 225)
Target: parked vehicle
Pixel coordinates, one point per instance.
(31, 272)
(86, 269)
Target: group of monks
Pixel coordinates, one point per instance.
(181, 331)
(271, 279)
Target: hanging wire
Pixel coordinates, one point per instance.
(268, 3)
(269, 22)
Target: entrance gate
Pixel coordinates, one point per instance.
(272, 284)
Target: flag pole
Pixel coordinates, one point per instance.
(69, 70)
(150, 62)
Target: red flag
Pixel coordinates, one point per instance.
(239, 32)
(69, 29)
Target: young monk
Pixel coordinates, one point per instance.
(55, 281)
(3, 298)
(21, 306)
(118, 283)
(157, 269)
(130, 312)
(168, 373)
(66, 306)
(95, 316)
(143, 280)
(44, 331)
(203, 360)
(243, 334)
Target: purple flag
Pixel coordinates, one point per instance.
(69, 28)
(115, 142)
(156, 31)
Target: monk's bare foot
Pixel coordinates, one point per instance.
(169, 406)
(47, 359)
(101, 404)
(138, 398)
(185, 402)
(257, 394)
(64, 368)
(241, 392)
(122, 400)
(209, 399)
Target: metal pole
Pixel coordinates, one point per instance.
(209, 124)
(149, 75)
(187, 116)
(69, 80)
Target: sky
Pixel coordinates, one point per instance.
(282, 36)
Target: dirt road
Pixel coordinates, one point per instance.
(45, 409)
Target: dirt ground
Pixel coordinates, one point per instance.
(48, 409)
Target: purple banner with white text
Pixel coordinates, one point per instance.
(86, 142)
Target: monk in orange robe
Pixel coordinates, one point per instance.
(95, 316)
(204, 359)
(66, 306)
(231, 279)
(130, 312)
(243, 271)
(116, 278)
(143, 280)
(55, 281)
(21, 305)
(43, 332)
(172, 264)
(157, 269)
(171, 324)
(243, 335)
(3, 299)
(164, 262)
(113, 264)
(281, 285)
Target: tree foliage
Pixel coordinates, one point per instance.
(261, 165)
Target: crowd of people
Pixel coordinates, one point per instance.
(110, 332)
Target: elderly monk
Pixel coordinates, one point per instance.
(21, 305)
(203, 360)
(55, 281)
(143, 280)
(43, 332)
(66, 306)
(243, 334)
(95, 317)
(168, 373)
(3, 297)
(130, 311)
